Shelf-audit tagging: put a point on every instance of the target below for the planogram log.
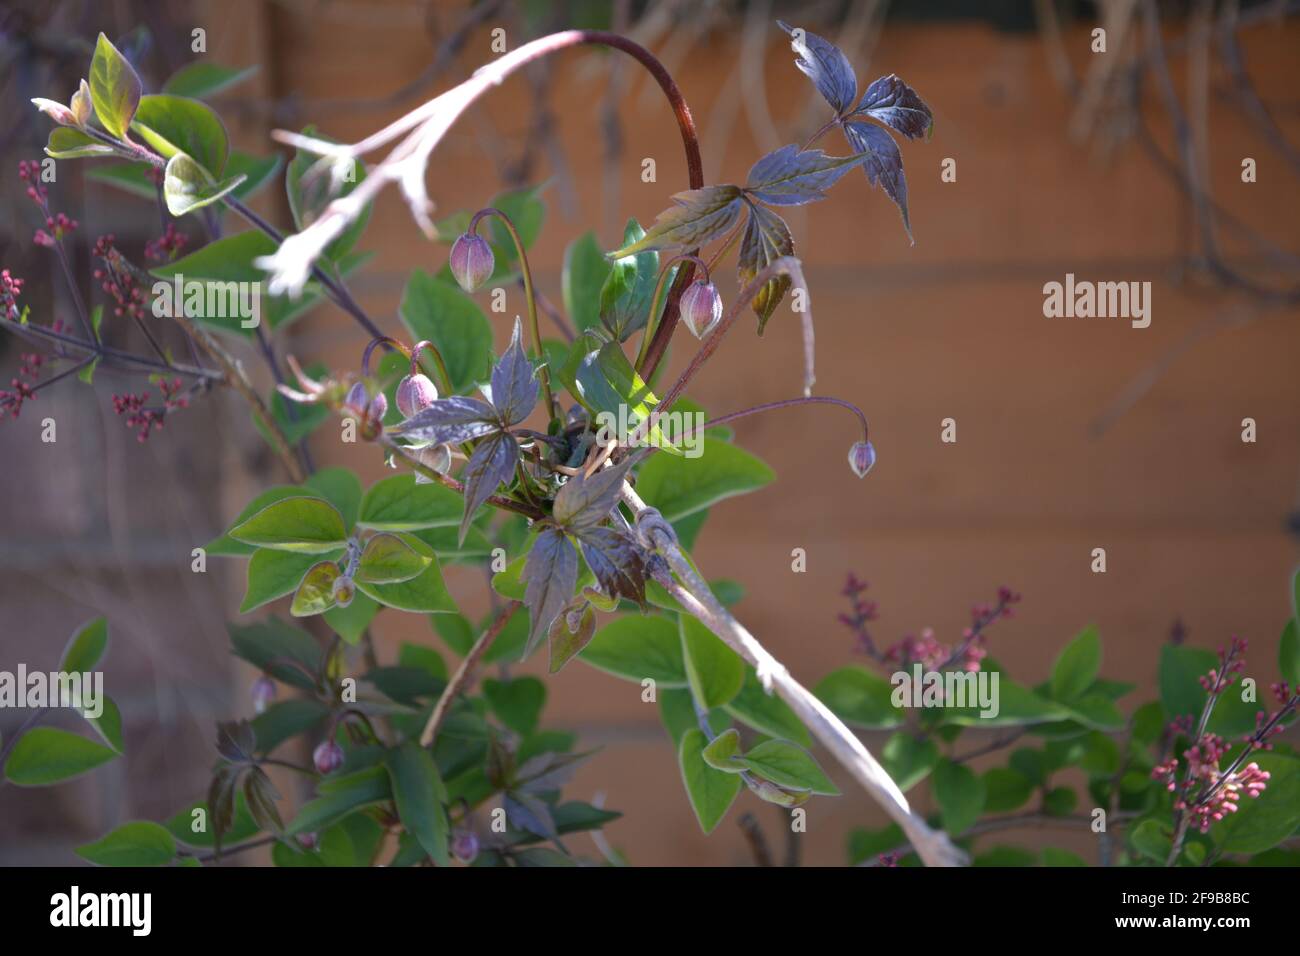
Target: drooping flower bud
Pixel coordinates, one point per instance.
(472, 262)
(328, 757)
(262, 692)
(701, 308)
(343, 590)
(415, 393)
(357, 398)
(861, 457)
(307, 841)
(434, 457)
(464, 845)
(377, 408)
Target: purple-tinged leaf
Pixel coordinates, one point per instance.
(450, 421)
(791, 177)
(492, 462)
(548, 771)
(552, 573)
(823, 63)
(698, 216)
(586, 502)
(891, 101)
(767, 238)
(884, 165)
(530, 813)
(617, 561)
(236, 741)
(514, 383)
(260, 795)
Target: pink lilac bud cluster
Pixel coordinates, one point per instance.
(889, 859)
(145, 419)
(117, 280)
(29, 171)
(11, 288)
(1208, 794)
(1282, 691)
(56, 228)
(23, 385)
(863, 613)
(166, 247)
(1216, 680)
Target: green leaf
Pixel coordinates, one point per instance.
(1052, 856)
(697, 216)
(351, 622)
(598, 374)
(1005, 789)
(134, 178)
(286, 719)
(183, 825)
(310, 185)
(341, 796)
(341, 488)
(636, 648)
(518, 703)
(302, 524)
(203, 79)
(437, 310)
(585, 271)
(714, 671)
(399, 504)
(423, 658)
(45, 755)
(68, 143)
(187, 186)
(960, 795)
(425, 593)
(628, 291)
(1151, 839)
(710, 791)
(682, 486)
(228, 259)
(108, 724)
(908, 759)
(1262, 822)
(140, 843)
(276, 646)
(114, 88)
(86, 647)
(788, 765)
(175, 124)
(1077, 665)
(766, 713)
(227, 546)
(1181, 668)
(721, 754)
(1060, 801)
(416, 790)
(859, 697)
(273, 574)
(1288, 653)
(315, 595)
(387, 559)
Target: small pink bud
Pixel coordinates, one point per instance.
(307, 841)
(861, 457)
(343, 590)
(701, 308)
(464, 845)
(262, 692)
(415, 393)
(327, 757)
(472, 262)
(377, 408)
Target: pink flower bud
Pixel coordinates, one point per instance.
(343, 590)
(701, 308)
(377, 408)
(262, 692)
(861, 457)
(464, 845)
(472, 262)
(327, 757)
(415, 393)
